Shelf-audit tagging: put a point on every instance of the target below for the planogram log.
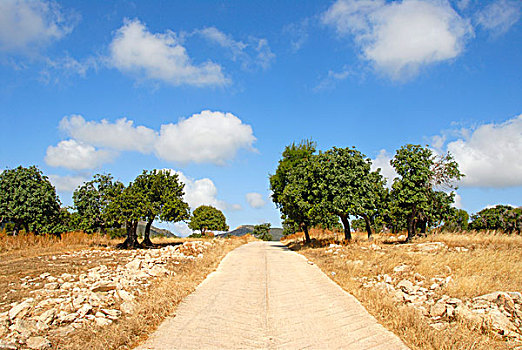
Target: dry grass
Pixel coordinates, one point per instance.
(29, 243)
(490, 263)
(153, 307)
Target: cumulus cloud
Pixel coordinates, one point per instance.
(67, 183)
(159, 57)
(400, 38)
(121, 135)
(256, 52)
(489, 155)
(382, 161)
(499, 16)
(202, 192)
(75, 155)
(28, 26)
(208, 137)
(255, 200)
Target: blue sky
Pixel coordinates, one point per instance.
(215, 89)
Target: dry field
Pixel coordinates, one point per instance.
(81, 290)
(433, 293)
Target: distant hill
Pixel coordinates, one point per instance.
(242, 230)
(154, 231)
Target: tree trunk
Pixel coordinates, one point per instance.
(368, 226)
(26, 227)
(131, 242)
(411, 226)
(423, 225)
(146, 235)
(346, 225)
(307, 235)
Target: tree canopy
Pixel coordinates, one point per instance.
(28, 199)
(207, 218)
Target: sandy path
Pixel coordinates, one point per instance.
(263, 296)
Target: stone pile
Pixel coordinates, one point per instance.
(99, 296)
(498, 312)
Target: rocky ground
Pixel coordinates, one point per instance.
(499, 312)
(40, 308)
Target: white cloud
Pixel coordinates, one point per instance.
(499, 16)
(255, 200)
(382, 161)
(298, 33)
(27, 26)
(181, 229)
(490, 155)
(256, 52)
(57, 69)
(121, 135)
(75, 155)
(67, 183)
(399, 38)
(332, 78)
(457, 203)
(159, 57)
(208, 137)
(202, 192)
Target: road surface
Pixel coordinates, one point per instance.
(263, 296)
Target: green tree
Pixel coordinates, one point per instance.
(457, 220)
(347, 187)
(127, 208)
(92, 199)
(500, 217)
(420, 172)
(291, 213)
(207, 218)
(28, 199)
(262, 232)
(162, 195)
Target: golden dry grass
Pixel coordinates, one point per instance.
(491, 263)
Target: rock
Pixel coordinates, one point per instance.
(310, 262)
(84, 310)
(158, 271)
(450, 310)
(52, 285)
(102, 321)
(516, 296)
(111, 313)
(66, 285)
(406, 286)
(440, 326)
(47, 316)
(134, 264)
(434, 286)
(419, 277)
(499, 322)
(7, 345)
(103, 287)
(492, 297)
(454, 301)
(24, 327)
(125, 296)
(387, 279)
(38, 343)
(463, 313)
(127, 307)
(438, 309)
(21, 309)
(401, 268)
(429, 247)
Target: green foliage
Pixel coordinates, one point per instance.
(92, 201)
(500, 217)
(262, 232)
(287, 186)
(208, 218)
(28, 199)
(413, 193)
(457, 220)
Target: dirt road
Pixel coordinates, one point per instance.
(263, 296)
